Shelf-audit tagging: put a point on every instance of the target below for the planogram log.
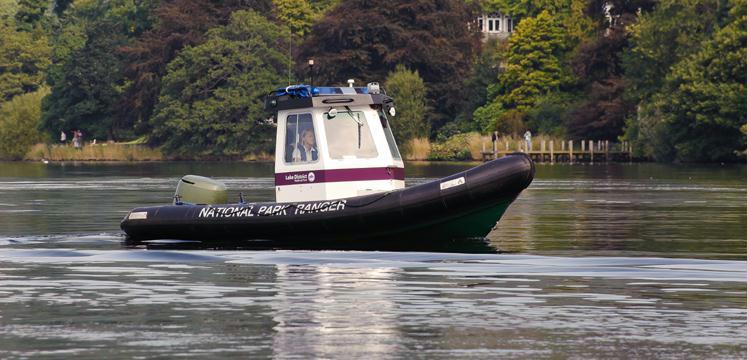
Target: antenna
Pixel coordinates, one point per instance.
(311, 72)
(290, 53)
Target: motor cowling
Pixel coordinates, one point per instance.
(200, 190)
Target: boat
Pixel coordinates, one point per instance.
(339, 183)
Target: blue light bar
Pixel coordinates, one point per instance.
(306, 91)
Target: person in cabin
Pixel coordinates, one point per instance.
(306, 148)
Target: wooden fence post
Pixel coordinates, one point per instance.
(495, 145)
(570, 149)
(607, 150)
(542, 151)
(552, 152)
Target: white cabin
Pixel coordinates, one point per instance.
(333, 142)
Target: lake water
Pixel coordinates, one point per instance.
(596, 261)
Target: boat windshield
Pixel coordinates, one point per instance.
(389, 136)
(349, 136)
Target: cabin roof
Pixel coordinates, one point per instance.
(306, 96)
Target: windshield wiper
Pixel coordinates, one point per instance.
(358, 121)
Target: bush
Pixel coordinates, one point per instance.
(549, 113)
(455, 148)
(19, 119)
(408, 91)
(511, 122)
(447, 131)
(419, 149)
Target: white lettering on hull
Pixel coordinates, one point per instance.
(139, 215)
(452, 183)
(271, 210)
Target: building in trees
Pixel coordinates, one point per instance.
(495, 25)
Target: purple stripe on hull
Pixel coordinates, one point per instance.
(337, 175)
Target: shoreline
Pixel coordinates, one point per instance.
(127, 153)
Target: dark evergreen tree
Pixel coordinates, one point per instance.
(180, 23)
(365, 40)
(85, 95)
(212, 99)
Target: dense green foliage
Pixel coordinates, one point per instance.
(454, 148)
(409, 89)
(300, 15)
(212, 94)
(18, 120)
(699, 106)
(365, 40)
(24, 58)
(178, 24)
(533, 69)
(187, 75)
(90, 83)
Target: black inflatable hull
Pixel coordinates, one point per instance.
(463, 205)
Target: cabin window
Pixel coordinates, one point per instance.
(389, 136)
(300, 140)
(349, 136)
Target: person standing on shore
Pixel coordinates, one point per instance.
(63, 137)
(76, 139)
(528, 140)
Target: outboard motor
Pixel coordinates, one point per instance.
(199, 190)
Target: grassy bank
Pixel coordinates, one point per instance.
(468, 147)
(94, 152)
(460, 147)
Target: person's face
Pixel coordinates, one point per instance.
(308, 138)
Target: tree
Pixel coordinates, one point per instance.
(90, 85)
(19, 119)
(602, 113)
(179, 24)
(534, 62)
(534, 68)
(597, 65)
(298, 15)
(8, 9)
(29, 13)
(707, 103)
(409, 93)
(572, 14)
(24, 58)
(365, 40)
(662, 70)
(86, 74)
(212, 95)
(526, 8)
(661, 38)
(483, 73)
(550, 112)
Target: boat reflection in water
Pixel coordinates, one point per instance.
(322, 310)
(467, 245)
